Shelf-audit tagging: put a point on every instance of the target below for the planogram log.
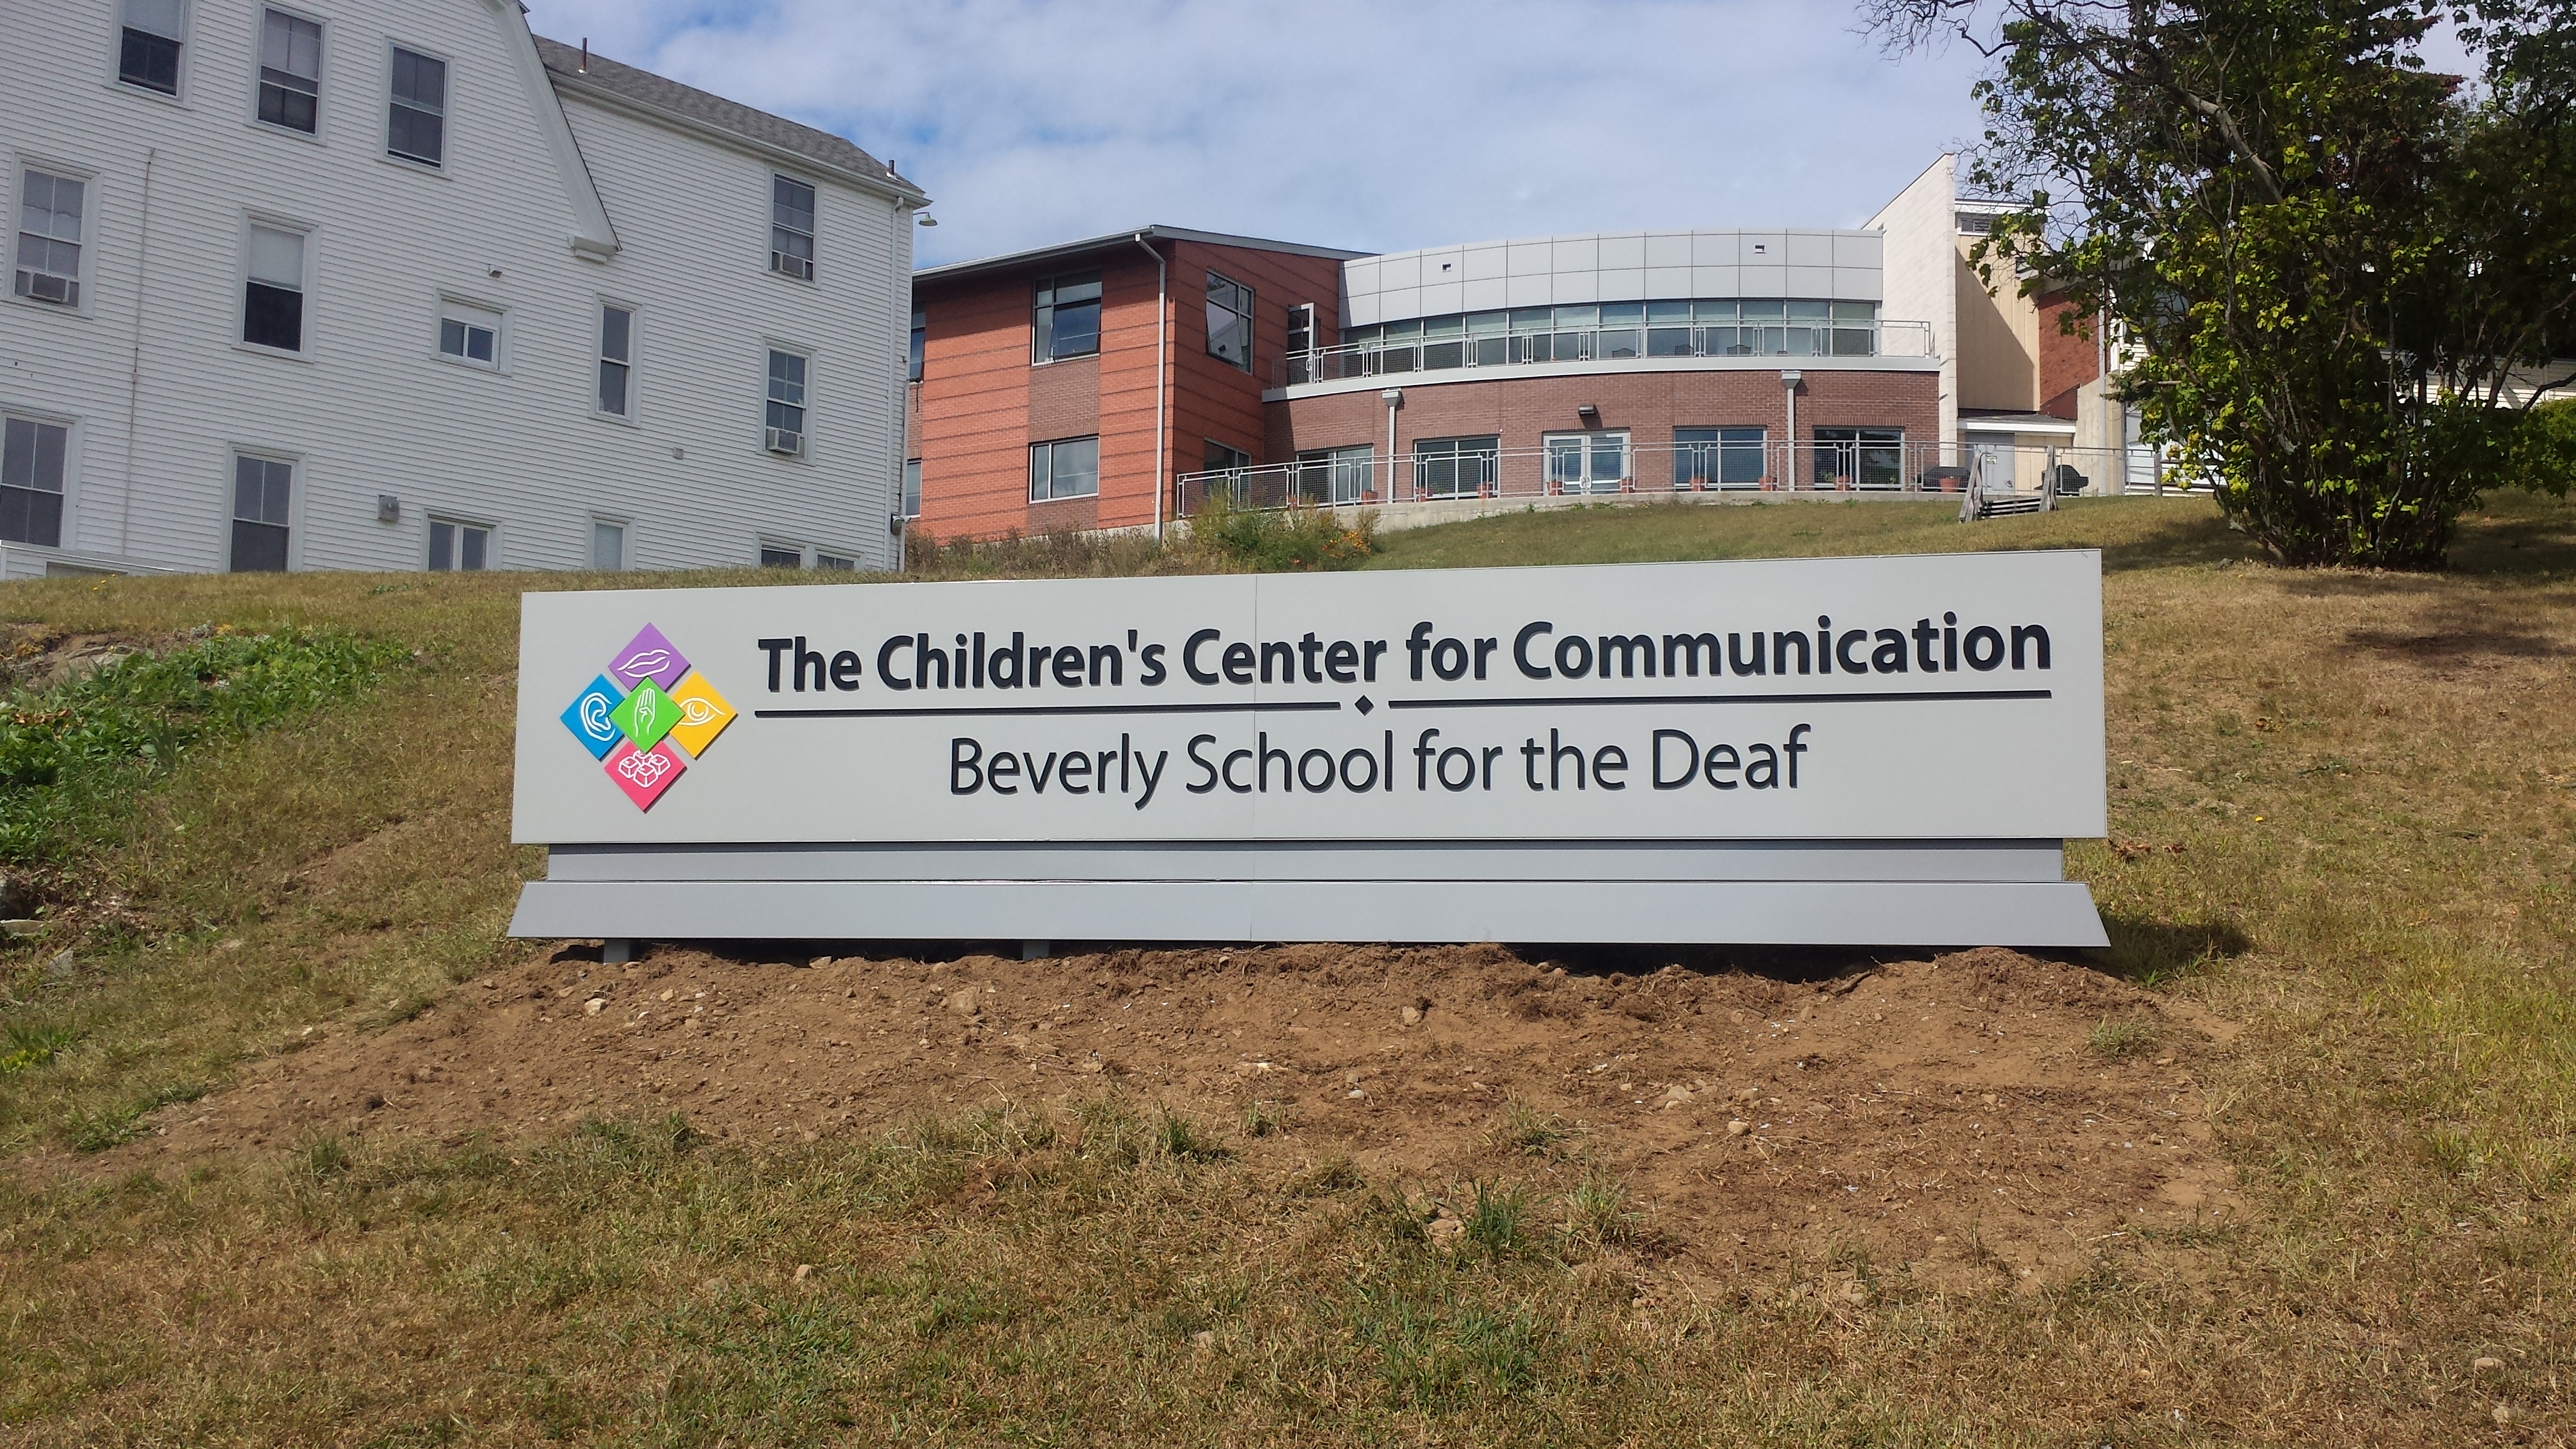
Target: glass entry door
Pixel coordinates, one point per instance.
(1587, 462)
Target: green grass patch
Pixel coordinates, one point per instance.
(2343, 816)
(73, 757)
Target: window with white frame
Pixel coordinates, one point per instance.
(616, 359)
(1586, 462)
(920, 334)
(459, 547)
(791, 227)
(273, 289)
(607, 545)
(469, 334)
(290, 71)
(50, 209)
(31, 481)
(1065, 468)
(781, 556)
(263, 490)
(837, 563)
(1229, 321)
(912, 487)
(786, 415)
(148, 40)
(416, 114)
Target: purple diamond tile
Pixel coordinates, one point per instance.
(649, 656)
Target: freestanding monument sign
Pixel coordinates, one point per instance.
(1883, 751)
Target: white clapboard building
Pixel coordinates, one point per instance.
(395, 284)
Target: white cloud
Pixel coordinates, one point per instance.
(1338, 122)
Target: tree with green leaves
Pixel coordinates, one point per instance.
(2344, 278)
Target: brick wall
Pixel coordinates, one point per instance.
(981, 401)
(2067, 361)
(1522, 411)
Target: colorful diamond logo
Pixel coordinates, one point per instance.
(647, 715)
(648, 656)
(644, 774)
(703, 714)
(588, 717)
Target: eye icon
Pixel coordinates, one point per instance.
(594, 717)
(694, 711)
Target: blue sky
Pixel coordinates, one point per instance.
(1373, 126)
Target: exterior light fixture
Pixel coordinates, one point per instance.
(1590, 413)
(926, 219)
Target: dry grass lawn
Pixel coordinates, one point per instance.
(2344, 815)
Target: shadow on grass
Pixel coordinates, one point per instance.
(2152, 953)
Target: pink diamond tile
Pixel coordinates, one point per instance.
(644, 774)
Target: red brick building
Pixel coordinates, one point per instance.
(1115, 382)
(1053, 387)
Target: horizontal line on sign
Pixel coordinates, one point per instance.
(954, 711)
(1881, 697)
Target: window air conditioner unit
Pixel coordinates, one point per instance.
(45, 287)
(783, 441)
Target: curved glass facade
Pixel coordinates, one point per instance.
(1699, 327)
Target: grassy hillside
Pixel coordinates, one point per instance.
(2342, 815)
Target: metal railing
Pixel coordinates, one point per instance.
(1594, 465)
(1394, 357)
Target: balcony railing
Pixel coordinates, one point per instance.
(1386, 358)
(1603, 465)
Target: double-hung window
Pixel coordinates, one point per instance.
(1068, 316)
(616, 359)
(31, 481)
(147, 49)
(1229, 321)
(262, 489)
(607, 545)
(786, 415)
(1065, 468)
(416, 113)
(469, 334)
(791, 228)
(912, 487)
(49, 238)
(455, 547)
(273, 293)
(920, 334)
(290, 71)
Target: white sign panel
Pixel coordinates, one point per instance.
(1940, 697)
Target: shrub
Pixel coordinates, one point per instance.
(1279, 540)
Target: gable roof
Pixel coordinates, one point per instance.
(663, 99)
(950, 270)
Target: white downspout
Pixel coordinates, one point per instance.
(1789, 383)
(1162, 361)
(1393, 397)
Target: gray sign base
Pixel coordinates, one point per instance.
(1796, 893)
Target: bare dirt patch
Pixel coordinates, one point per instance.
(1979, 1114)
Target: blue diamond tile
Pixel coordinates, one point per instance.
(588, 717)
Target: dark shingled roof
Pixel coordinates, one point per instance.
(564, 66)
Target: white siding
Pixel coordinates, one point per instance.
(371, 409)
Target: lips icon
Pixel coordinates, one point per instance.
(644, 663)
